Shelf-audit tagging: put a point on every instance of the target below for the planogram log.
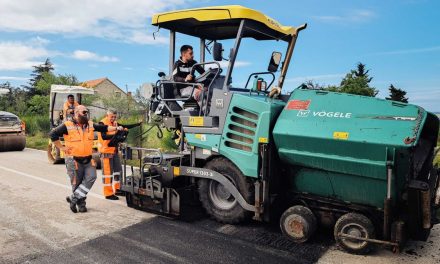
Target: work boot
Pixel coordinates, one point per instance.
(72, 201)
(112, 197)
(82, 205)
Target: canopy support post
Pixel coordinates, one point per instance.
(233, 55)
(289, 54)
(202, 51)
(172, 51)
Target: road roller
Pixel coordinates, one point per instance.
(309, 159)
(12, 132)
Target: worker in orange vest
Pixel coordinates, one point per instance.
(111, 163)
(78, 137)
(68, 107)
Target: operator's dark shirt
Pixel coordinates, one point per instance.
(61, 130)
(182, 69)
(108, 137)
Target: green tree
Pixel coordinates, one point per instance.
(39, 102)
(37, 75)
(38, 105)
(42, 86)
(312, 85)
(397, 94)
(120, 103)
(140, 99)
(356, 82)
(14, 101)
(361, 71)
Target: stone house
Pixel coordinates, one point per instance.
(104, 87)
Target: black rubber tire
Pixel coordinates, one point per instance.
(361, 221)
(236, 214)
(129, 199)
(97, 160)
(298, 223)
(51, 158)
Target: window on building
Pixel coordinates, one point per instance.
(118, 94)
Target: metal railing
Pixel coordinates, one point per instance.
(141, 155)
(256, 74)
(205, 91)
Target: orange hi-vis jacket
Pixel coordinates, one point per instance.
(103, 144)
(78, 139)
(68, 106)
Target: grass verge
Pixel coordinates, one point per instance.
(437, 159)
(37, 141)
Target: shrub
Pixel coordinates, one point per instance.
(36, 124)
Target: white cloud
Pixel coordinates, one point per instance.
(112, 19)
(22, 55)
(17, 55)
(91, 56)
(351, 16)
(13, 78)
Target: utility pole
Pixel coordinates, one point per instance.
(128, 97)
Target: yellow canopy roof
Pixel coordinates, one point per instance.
(222, 22)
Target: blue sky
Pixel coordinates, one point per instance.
(398, 40)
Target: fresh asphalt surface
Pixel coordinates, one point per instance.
(36, 226)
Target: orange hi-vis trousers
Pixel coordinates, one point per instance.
(111, 173)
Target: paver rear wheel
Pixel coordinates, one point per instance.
(218, 201)
(298, 223)
(357, 225)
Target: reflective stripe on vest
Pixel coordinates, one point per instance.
(79, 139)
(103, 144)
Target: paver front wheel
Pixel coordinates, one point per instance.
(218, 201)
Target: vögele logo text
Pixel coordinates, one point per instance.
(332, 114)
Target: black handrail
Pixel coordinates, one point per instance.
(209, 86)
(184, 99)
(261, 73)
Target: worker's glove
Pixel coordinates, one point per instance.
(275, 92)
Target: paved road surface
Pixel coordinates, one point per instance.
(36, 226)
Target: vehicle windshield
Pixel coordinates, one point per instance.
(253, 56)
(60, 99)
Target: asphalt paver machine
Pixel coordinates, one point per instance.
(360, 165)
